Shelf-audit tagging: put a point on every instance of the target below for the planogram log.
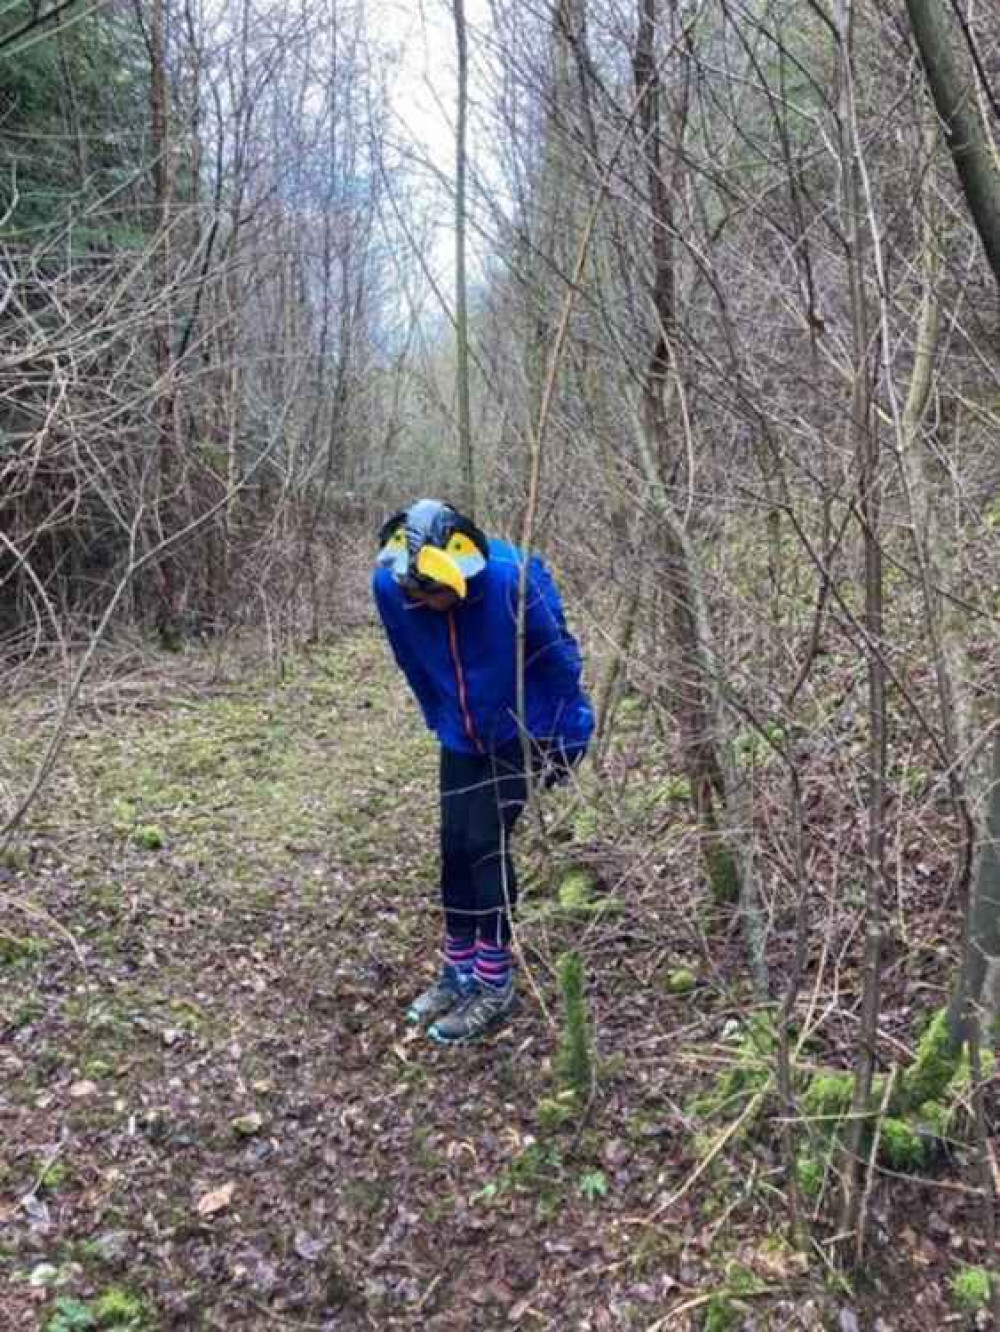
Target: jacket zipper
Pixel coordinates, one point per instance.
(463, 698)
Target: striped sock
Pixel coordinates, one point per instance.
(461, 954)
(493, 965)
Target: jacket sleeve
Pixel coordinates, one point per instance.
(551, 651)
(417, 677)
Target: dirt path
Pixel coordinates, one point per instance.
(212, 1115)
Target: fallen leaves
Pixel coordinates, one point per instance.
(247, 1125)
(81, 1091)
(216, 1200)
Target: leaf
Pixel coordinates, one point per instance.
(594, 1184)
(216, 1200)
(247, 1125)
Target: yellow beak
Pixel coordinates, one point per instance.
(434, 563)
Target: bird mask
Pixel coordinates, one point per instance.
(431, 546)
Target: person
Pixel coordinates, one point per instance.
(447, 597)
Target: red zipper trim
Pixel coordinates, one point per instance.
(463, 697)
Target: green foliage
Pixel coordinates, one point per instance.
(575, 889)
(573, 1061)
(555, 1112)
(940, 1070)
(114, 1309)
(534, 1167)
(725, 1311)
(54, 1176)
(71, 132)
(594, 1185)
(681, 981)
(149, 836)
(71, 1315)
(935, 1119)
(936, 1064)
(754, 749)
(119, 1308)
(970, 1289)
(15, 950)
(900, 1145)
(675, 788)
(828, 1096)
(722, 1315)
(586, 824)
(810, 1173)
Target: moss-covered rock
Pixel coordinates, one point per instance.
(936, 1064)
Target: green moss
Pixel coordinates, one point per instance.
(828, 1096)
(900, 1145)
(55, 1176)
(934, 1118)
(681, 981)
(725, 1311)
(119, 1308)
(675, 788)
(115, 1308)
(810, 1174)
(555, 1112)
(586, 824)
(573, 1060)
(576, 888)
(936, 1064)
(148, 836)
(722, 1315)
(970, 1289)
(69, 1315)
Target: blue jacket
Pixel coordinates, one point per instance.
(462, 664)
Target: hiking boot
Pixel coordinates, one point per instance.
(446, 992)
(479, 1013)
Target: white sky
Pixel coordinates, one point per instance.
(422, 97)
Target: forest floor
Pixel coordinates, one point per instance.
(212, 1114)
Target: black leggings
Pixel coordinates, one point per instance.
(482, 796)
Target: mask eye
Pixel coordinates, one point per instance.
(460, 544)
(398, 540)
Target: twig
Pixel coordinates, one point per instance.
(749, 1110)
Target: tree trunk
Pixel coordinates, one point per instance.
(951, 87)
(953, 91)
